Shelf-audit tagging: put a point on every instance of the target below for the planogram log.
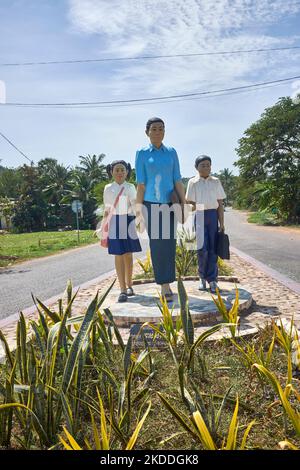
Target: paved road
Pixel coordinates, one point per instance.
(47, 277)
(277, 247)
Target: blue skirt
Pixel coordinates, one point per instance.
(122, 236)
(162, 248)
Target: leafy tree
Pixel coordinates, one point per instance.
(269, 153)
(82, 189)
(10, 182)
(98, 192)
(7, 210)
(30, 211)
(56, 183)
(43, 193)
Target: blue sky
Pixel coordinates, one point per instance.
(38, 30)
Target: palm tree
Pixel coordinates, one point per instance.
(227, 180)
(82, 190)
(58, 179)
(81, 186)
(92, 166)
(55, 181)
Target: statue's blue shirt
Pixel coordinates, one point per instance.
(158, 170)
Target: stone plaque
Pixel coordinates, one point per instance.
(153, 340)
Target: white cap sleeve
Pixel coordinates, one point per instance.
(131, 192)
(105, 196)
(220, 191)
(190, 192)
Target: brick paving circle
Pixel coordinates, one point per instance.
(143, 307)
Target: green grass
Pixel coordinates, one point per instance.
(225, 369)
(19, 247)
(263, 218)
(254, 403)
(267, 218)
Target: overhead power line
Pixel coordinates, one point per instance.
(152, 103)
(93, 106)
(148, 57)
(195, 95)
(18, 150)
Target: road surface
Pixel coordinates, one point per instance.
(277, 247)
(47, 277)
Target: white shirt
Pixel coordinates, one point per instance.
(205, 191)
(126, 204)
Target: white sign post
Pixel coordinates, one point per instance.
(76, 207)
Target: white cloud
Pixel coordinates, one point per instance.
(163, 18)
(156, 27)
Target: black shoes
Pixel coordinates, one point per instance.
(122, 297)
(129, 292)
(213, 286)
